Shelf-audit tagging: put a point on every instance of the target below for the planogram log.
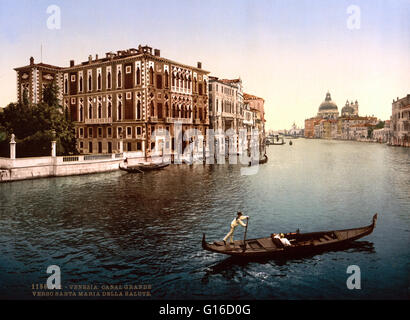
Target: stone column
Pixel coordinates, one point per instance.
(53, 149)
(12, 147)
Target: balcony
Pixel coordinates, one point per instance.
(181, 90)
(179, 120)
(98, 121)
(153, 119)
(228, 115)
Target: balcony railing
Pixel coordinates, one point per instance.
(181, 90)
(70, 158)
(98, 121)
(180, 120)
(98, 157)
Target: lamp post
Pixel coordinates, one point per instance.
(54, 145)
(12, 147)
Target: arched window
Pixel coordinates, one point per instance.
(151, 76)
(119, 79)
(80, 84)
(139, 109)
(174, 111)
(90, 111)
(159, 111)
(166, 79)
(89, 82)
(81, 113)
(166, 109)
(173, 79)
(138, 76)
(109, 80)
(152, 109)
(99, 111)
(66, 86)
(119, 110)
(99, 82)
(109, 110)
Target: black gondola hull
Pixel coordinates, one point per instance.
(304, 244)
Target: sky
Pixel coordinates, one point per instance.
(289, 52)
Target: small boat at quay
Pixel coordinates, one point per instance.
(144, 167)
(301, 243)
(273, 143)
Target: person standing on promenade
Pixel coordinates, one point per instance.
(235, 222)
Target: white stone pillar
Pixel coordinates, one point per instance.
(53, 149)
(12, 147)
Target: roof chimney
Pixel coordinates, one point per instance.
(90, 58)
(199, 64)
(71, 63)
(31, 61)
(157, 52)
(96, 57)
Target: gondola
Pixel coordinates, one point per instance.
(260, 161)
(302, 243)
(144, 167)
(278, 143)
(264, 159)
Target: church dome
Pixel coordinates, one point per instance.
(328, 105)
(347, 110)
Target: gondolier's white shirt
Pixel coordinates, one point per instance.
(235, 222)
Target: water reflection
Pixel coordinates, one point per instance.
(230, 266)
(118, 228)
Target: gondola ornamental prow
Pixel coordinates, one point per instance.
(374, 220)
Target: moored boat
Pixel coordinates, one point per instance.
(301, 243)
(144, 167)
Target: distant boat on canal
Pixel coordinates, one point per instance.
(144, 167)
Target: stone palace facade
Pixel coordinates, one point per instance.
(125, 97)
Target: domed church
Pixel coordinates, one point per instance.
(350, 109)
(328, 109)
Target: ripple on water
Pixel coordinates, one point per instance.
(123, 228)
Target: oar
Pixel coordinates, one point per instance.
(244, 236)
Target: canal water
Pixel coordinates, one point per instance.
(119, 228)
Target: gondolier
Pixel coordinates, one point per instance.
(235, 222)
